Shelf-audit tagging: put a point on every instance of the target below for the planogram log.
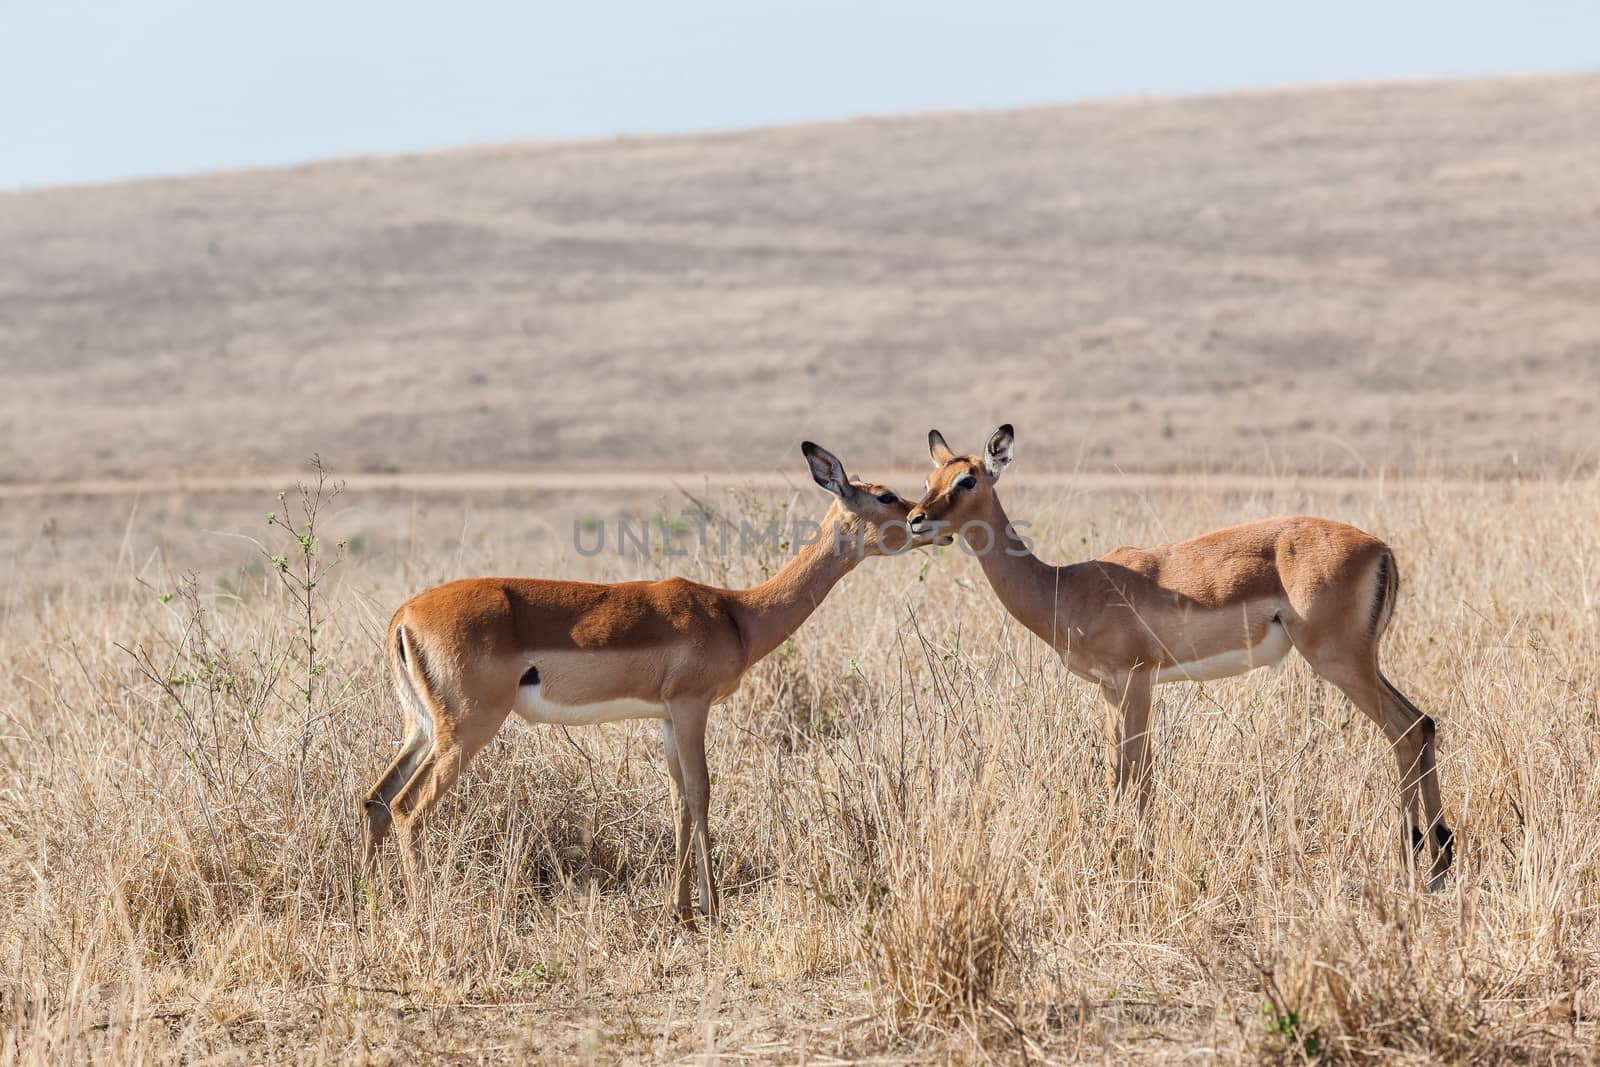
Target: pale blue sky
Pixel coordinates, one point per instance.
(94, 90)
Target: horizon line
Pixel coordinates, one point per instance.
(736, 130)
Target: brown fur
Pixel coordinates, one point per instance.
(1121, 619)
(458, 652)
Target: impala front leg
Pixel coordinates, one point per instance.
(689, 731)
(1128, 707)
(682, 827)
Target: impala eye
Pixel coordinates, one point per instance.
(969, 482)
(887, 498)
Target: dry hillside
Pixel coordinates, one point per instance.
(1347, 279)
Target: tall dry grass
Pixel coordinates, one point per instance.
(919, 858)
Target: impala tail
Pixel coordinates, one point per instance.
(1388, 590)
(411, 680)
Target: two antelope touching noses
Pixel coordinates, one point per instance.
(467, 655)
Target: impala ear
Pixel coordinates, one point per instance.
(997, 453)
(938, 449)
(827, 470)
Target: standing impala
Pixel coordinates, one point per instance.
(465, 655)
(1211, 607)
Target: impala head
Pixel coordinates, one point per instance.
(960, 487)
(868, 514)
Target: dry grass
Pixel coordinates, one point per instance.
(919, 857)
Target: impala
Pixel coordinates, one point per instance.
(1215, 606)
(465, 655)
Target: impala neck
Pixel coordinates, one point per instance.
(768, 613)
(1034, 592)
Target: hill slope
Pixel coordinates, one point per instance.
(1394, 276)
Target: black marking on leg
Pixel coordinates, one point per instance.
(1405, 702)
(530, 676)
(1447, 848)
(1383, 592)
(1417, 840)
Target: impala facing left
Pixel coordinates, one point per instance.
(467, 654)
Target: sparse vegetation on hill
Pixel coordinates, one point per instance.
(1355, 280)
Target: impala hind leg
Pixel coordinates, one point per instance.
(1437, 835)
(432, 779)
(376, 805)
(1411, 738)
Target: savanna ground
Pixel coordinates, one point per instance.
(914, 837)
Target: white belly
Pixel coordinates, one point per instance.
(1269, 653)
(532, 705)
